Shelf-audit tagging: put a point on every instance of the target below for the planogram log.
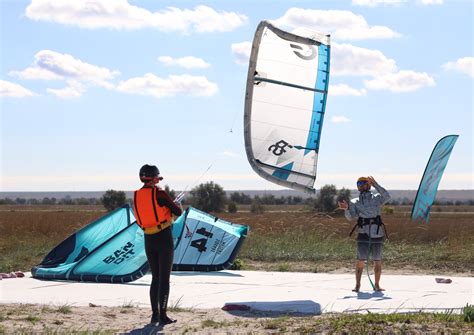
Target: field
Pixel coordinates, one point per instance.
(283, 238)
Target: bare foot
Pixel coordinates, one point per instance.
(378, 288)
(356, 289)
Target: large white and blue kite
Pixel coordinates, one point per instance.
(285, 101)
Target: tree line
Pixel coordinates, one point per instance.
(211, 197)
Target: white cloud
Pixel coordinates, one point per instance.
(339, 119)
(341, 24)
(345, 90)
(188, 62)
(373, 3)
(119, 14)
(464, 65)
(432, 2)
(242, 52)
(35, 73)
(152, 85)
(73, 90)
(402, 81)
(52, 65)
(9, 89)
(350, 60)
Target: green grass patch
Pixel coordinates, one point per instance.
(311, 247)
(275, 324)
(283, 267)
(297, 246)
(391, 323)
(127, 307)
(64, 309)
(32, 318)
(210, 323)
(468, 313)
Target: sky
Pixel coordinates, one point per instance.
(92, 90)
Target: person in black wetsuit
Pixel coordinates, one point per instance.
(154, 210)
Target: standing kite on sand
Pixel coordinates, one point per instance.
(371, 230)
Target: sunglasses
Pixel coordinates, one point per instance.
(361, 183)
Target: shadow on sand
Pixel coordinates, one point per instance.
(376, 295)
(148, 329)
(273, 309)
(210, 274)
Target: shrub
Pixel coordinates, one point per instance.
(113, 199)
(238, 264)
(387, 210)
(257, 207)
(208, 197)
(232, 207)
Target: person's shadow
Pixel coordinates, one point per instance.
(376, 295)
(149, 329)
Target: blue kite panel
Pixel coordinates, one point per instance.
(112, 249)
(432, 176)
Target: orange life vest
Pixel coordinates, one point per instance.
(150, 216)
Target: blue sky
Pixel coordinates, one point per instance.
(91, 90)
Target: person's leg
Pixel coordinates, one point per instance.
(359, 270)
(166, 265)
(378, 274)
(152, 256)
(377, 256)
(362, 251)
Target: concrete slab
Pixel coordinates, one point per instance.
(265, 291)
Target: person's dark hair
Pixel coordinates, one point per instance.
(148, 172)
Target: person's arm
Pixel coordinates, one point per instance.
(164, 199)
(350, 210)
(384, 195)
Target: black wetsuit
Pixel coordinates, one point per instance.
(159, 252)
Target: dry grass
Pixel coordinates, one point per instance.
(286, 241)
(28, 233)
(35, 319)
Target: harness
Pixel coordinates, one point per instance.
(370, 221)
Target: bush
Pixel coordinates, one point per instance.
(326, 200)
(257, 207)
(238, 265)
(387, 210)
(113, 199)
(208, 197)
(232, 207)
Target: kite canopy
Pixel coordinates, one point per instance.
(432, 176)
(285, 101)
(111, 249)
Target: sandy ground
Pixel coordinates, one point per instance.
(64, 309)
(20, 318)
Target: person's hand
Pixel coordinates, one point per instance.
(372, 181)
(343, 204)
